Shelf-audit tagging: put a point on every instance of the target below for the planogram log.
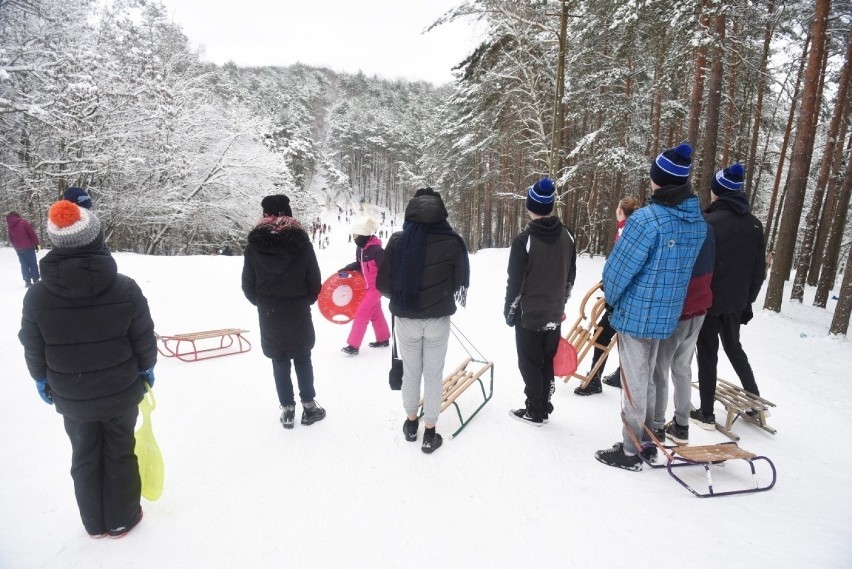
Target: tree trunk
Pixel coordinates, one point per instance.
(829, 207)
(806, 249)
(835, 239)
(758, 108)
(698, 82)
(840, 322)
(558, 108)
(783, 156)
(800, 162)
(732, 92)
(714, 102)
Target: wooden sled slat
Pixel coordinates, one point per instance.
(740, 404)
(584, 334)
(185, 346)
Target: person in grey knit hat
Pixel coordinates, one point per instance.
(89, 345)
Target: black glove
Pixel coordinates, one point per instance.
(746, 315)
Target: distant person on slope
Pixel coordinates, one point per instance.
(89, 344)
(23, 238)
(368, 255)
(282, 278)
(423, 268)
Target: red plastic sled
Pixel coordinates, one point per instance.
(340, 296)
(565, 361)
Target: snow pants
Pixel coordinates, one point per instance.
(536, 350)
(726, 326)
(422, 345)
(369, 311)
(638, 357)
(105, 471)
(304, 376)
(675, 353)
(29, 265)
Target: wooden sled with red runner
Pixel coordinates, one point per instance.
(196, 346)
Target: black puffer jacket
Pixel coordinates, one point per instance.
(88, 330)
(444, 263)
(740, 254)
(542, 268)
(282, 278)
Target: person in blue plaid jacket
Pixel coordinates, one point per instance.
(645, 280)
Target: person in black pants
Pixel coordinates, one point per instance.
(737, 277)
(626, 206)
(542, 267)
(89, 345)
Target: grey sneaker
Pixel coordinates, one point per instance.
(312, 412)
(288, 416)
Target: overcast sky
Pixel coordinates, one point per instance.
(382, 37)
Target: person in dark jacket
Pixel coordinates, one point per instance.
(23, 238)
(542, 268)
(424, 269)
(282, 278)
(89, 344)
(645, 279)
(737, 278)
(368, 257)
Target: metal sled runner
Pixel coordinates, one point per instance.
(190, 347)
(461, 378)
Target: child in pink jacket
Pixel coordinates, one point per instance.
(368, 256)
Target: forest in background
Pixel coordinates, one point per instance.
(177, 152)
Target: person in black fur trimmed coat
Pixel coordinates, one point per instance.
(282, 278)
(89, 344)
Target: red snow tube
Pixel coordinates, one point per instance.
(340, 296)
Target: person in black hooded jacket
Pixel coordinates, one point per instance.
(89, 343)
(542, 268)
(424, 270)
(282, 278)
(737, 277)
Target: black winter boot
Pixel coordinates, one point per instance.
(431, 441)
(592, 388)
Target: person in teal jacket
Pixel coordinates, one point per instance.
(645, 279)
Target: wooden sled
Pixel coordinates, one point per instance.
(740, 404)
(585, 333)
(192, 346)
(461, 378)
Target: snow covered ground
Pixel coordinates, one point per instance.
(351, 492)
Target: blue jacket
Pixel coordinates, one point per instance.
(647, 274)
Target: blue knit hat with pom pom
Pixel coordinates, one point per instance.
(540, 197)
(728, 180)
(672, 167)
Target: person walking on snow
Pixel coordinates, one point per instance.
(424, 269)
(368, 255)
(737, 277)
(281, 278)
(645, 280)
(542, 267)
(89, 345)
(23, 238)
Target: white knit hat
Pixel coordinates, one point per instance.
(364, 226)
(69, 225)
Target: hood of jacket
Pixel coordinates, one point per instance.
(737, 202)
(680, 201)
(78, 273)
(272, 248)
(426, 209)
(548, 229)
